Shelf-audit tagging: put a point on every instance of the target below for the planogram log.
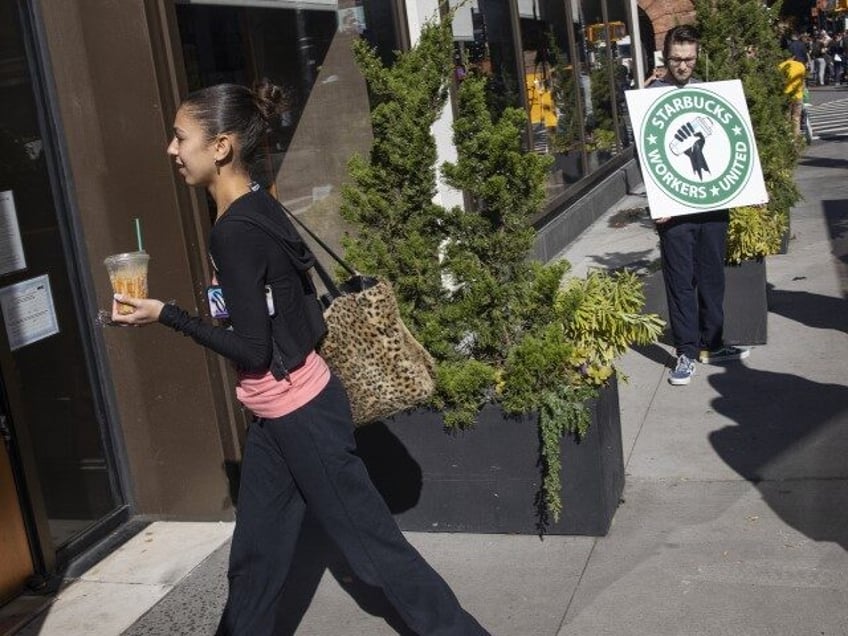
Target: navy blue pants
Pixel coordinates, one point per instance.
(305, 459)
(693, 251)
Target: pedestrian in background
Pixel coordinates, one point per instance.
(798, 49)
(300, 451)
(819, 48)
(795, 72)
(692, 248)
(837, 54)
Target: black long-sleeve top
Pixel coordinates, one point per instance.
(246, 258)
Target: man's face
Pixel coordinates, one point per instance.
(681, 61)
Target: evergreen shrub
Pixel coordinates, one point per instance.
(501, 327)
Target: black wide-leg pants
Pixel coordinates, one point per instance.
(305, 459)
(693, 253)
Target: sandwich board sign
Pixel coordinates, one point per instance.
(696, 148)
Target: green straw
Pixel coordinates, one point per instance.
(137, 223)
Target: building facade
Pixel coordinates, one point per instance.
(101, 425)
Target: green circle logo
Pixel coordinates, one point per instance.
(697, 147)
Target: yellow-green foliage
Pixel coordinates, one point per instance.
(601, 316)
(754, 232)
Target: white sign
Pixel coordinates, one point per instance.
(696, 147)
(11, 248)
(28, 311)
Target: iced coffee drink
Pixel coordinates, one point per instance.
(128, 273)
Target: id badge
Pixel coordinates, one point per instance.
(218, 306)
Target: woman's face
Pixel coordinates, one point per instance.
(192, 152)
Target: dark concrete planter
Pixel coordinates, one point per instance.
(487, 479)
(745, 306)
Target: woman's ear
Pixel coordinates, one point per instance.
(223, 149)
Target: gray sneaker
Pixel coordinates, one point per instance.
(725, 354)
(682, 372)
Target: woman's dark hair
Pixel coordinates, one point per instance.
(236, 109)
(682, 34)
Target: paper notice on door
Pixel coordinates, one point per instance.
(28, 311)
(11, 248)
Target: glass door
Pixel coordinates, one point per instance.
(46, 357)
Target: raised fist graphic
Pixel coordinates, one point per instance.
(689, 140)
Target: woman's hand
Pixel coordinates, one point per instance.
(147, 310)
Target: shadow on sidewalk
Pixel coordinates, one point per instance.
(790, 440)
(813, 310)
(836, 216)
(614, 261)
(824, 162)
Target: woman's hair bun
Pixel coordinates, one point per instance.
(270, 98)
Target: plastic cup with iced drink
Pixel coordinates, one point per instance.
(128, 273)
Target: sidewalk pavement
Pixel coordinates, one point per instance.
(734, 519)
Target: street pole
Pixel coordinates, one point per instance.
(636, 44)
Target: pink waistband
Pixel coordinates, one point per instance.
(269, 398)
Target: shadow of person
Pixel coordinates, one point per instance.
(395, 473)
(813, 310)
(824, 162)
(640, 260)
(656, 353)
(790, 439)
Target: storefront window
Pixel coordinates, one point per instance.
(589, 74)
(306, 48)
(554, 94)
(571, 81)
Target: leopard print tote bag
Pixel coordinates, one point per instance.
(383, 367)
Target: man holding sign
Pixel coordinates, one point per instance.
(698, 155)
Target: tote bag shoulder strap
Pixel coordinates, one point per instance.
(274, 232)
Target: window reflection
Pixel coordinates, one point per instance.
(484, 43)
(606, 63)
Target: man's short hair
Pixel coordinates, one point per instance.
(682, 34)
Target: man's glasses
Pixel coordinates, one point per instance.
(688, 61)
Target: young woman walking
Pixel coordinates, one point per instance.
(299, 451)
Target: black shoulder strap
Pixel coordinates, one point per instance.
(315, 237)
(274, 232)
